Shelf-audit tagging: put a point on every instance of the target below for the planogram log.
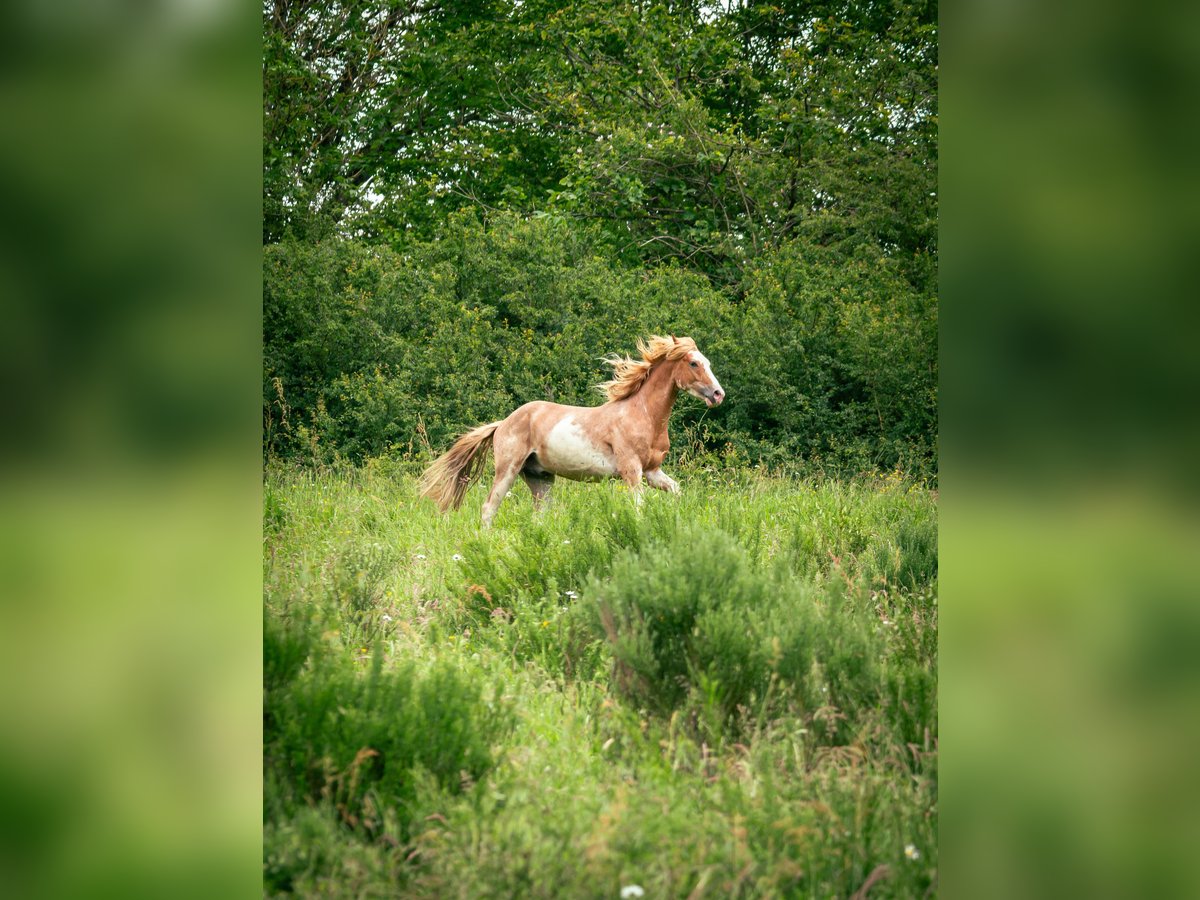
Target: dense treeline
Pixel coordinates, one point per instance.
(465, 204)
(829, 356)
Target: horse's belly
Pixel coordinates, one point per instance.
(568, 451)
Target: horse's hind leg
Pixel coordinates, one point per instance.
(500, 488)
(539, 486)
(508, 465)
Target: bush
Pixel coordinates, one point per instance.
(832, 357)
(829, 354)
(358, 743)
(693, 625)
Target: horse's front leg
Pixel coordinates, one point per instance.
(631, 474)
(659, 479)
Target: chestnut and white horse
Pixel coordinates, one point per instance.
(625, 437)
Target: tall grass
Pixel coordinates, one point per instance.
(729, 692)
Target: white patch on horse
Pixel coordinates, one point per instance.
(698, 357)
(568, 451)
(708, 368)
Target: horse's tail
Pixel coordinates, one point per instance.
(446, 480)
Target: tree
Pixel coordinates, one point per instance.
(692, 133)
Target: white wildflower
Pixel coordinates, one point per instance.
(457, 557)
(570, 594)
(567, 541)
(419, 556)
(632, 890)
(386, 617)
(912, 852)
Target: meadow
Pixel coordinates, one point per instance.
(729, 692)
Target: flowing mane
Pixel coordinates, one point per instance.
(629, 374)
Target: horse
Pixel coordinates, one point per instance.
(625, 437)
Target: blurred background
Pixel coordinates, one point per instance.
(1069, 436)
(129, 479)
(131, 180)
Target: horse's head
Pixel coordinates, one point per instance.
(694, 374)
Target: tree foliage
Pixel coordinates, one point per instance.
(465, 203)
(828, 357)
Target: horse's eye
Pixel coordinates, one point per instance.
(693, 365)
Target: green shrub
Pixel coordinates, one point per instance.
(357, 741)
(829, 355)
(693, 625)
(832, 357)
(536, 563)
(356, 582)
(287, 646)
(313, 854)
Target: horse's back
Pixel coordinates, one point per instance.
(525, 424)
(544, 415)
(562, 437)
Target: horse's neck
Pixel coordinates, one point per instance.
(657, 397)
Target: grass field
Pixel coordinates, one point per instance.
(729, 692)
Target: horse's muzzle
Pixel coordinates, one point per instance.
(714, 398)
